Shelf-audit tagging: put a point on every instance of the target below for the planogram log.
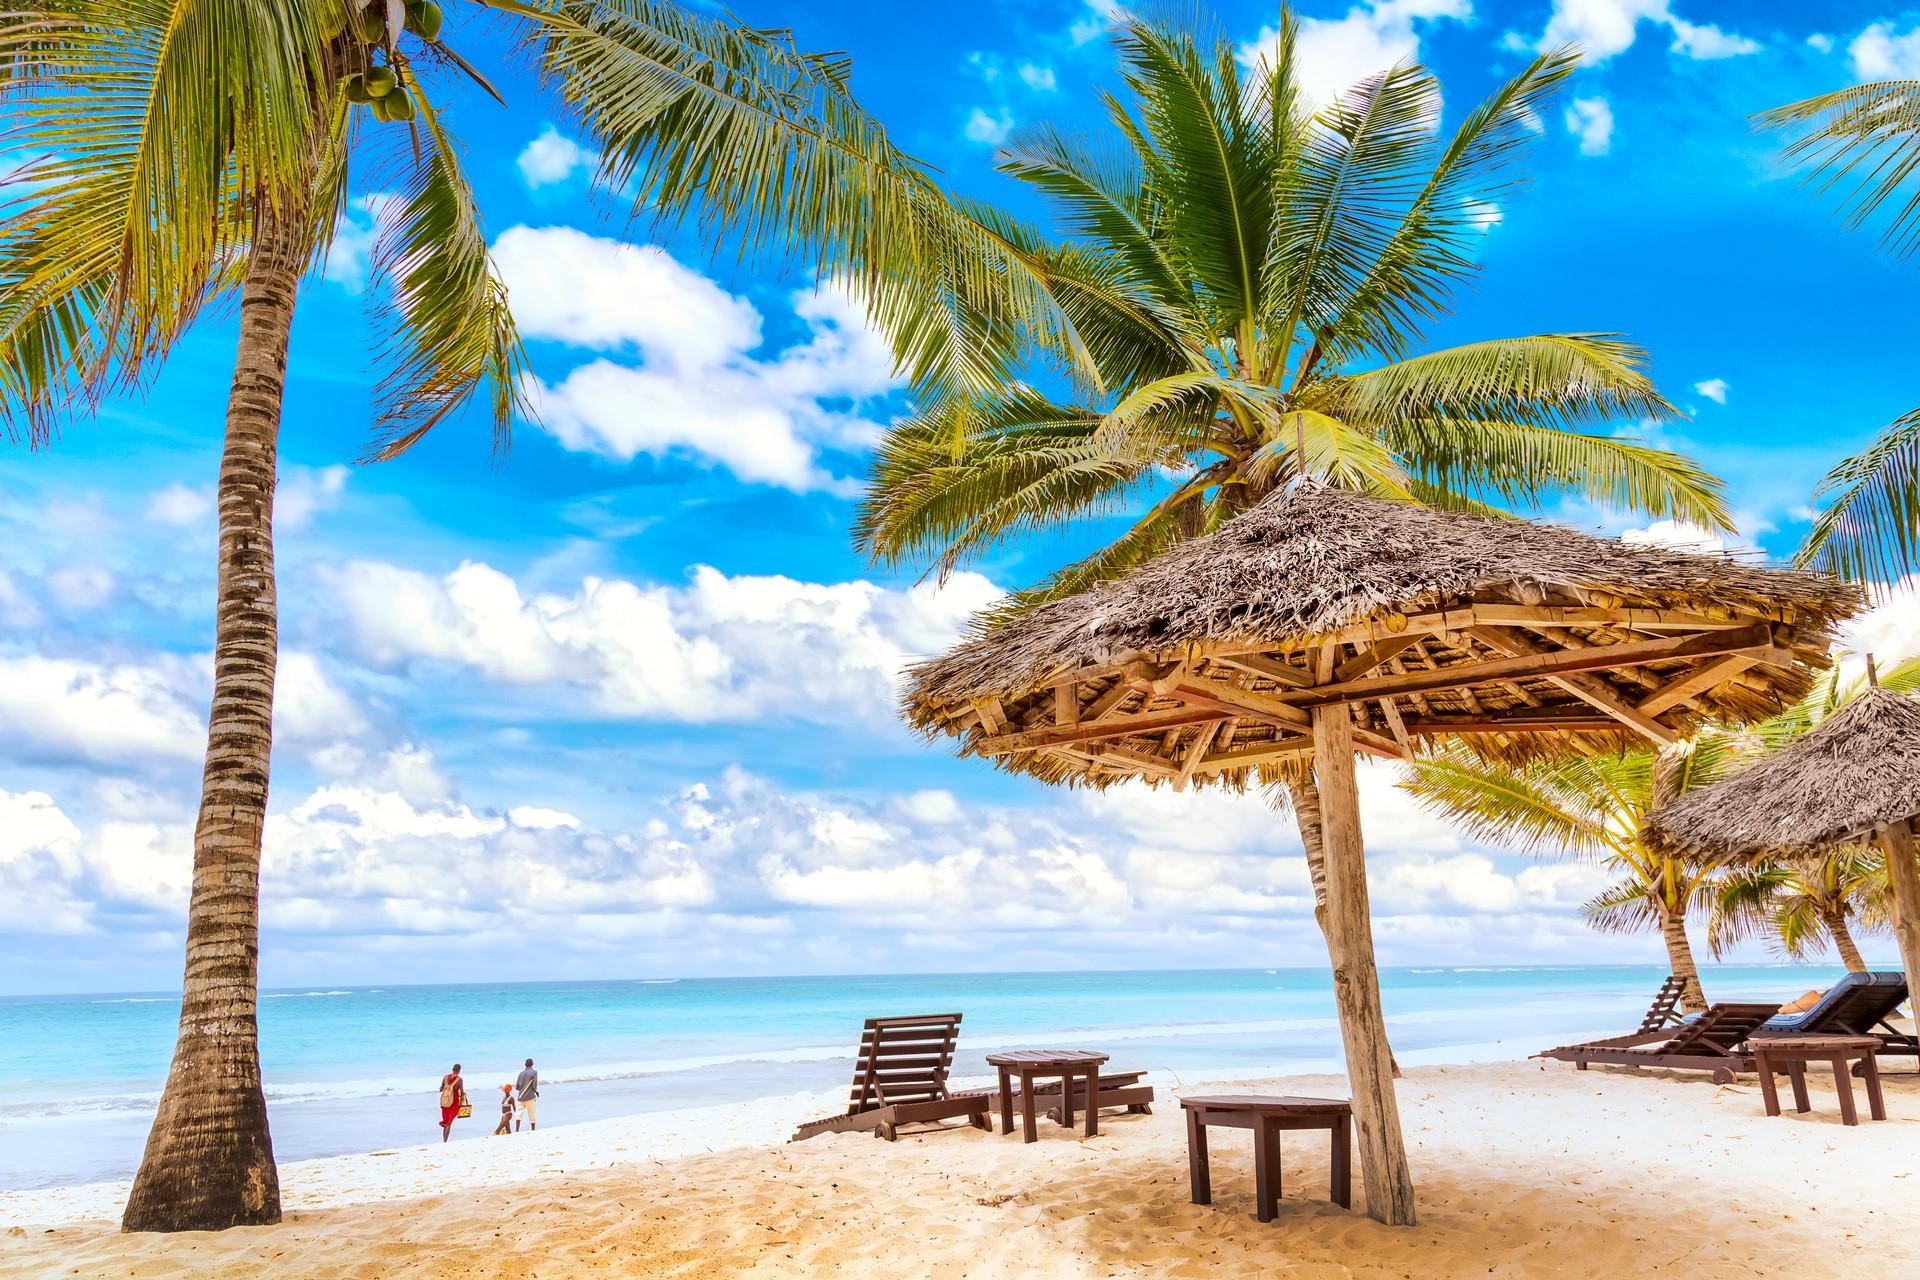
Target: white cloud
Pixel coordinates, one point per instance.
(350, 257)
(1038, 77)
(304, 492)
(989, 129)
(719, 648)
(1881, 53)
(1820, 42)
(1484, 214)
(1603, 28)
(62, 710)
(1676, 535)
(39, 859)
(1591, 121)
(181, 505)
(1714, 389)
(1335, 53)
(699, 390)
(1099, 15)
(80, 586)
(552, 158)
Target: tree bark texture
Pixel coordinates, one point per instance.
(1835, 923)
(209, 1157)
(1673, 931)
(1356, 981)
(1903, 883)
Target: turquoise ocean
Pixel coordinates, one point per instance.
(356, 1069)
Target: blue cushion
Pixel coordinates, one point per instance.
(1835, 994)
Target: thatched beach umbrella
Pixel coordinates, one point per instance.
(1319, 623)
(1855, 778)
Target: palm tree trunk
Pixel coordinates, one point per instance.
(1304, 796)
(209, 1158)
(1835, 924)
(1673, 931)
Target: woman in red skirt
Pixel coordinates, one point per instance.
(453, 1096)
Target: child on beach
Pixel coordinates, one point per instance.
(506, 1110)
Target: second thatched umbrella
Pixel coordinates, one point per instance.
(1320, 623)
(1855, 778)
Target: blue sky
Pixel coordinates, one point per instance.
(620, 703)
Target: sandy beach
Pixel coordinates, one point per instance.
(1523, 1169)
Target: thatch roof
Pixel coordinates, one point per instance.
(1859, 770)
(1305, 588)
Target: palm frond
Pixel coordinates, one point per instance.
(1412, 279)
(160, 124)
(1525, 808)
(455, 332)
(1865, 140)
(1870, 505)
(1625, 907)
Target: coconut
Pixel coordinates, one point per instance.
(424, 19)
(357, 88)
(382, 110)
(381, 81)
(399, 105)
(373, 25)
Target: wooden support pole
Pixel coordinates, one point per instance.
(1896, 841)
(1356, 981)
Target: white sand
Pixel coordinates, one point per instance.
(1522, 1170)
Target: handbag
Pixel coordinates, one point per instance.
(466, 1111)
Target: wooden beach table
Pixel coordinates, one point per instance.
(1791, 1054)
(1267, 1116)
(1067, 1064)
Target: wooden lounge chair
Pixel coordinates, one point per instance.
(1127, 1089)
(1711, 1042)
(900, 1077)
(1857, 1005)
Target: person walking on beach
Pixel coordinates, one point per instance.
(528, 1087)
(453, 1097)
(506, 1110)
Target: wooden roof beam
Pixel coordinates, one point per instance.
(1527, 660)
(1686, 687)
(1117, 727)
(1596, 692)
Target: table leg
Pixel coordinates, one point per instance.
(1198, 1175)
(1066, 1099)
(1769, 1095)
(1006, 1101)
(1876, 1101)
(1797, 1072)
(1266, 1168)
(1026, 1107)
(1342, 1175)
(1843, 1085)
(1093, 1101)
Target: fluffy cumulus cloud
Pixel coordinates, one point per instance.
(1714, 389)
(1334, 53)
(682, 376)
(1591, 121)
(1038, 77)
(1095, 19)
(1885, 52)
(769, 876)
(1603, 28)
(717, 648)
(989, 128)
(552, 158)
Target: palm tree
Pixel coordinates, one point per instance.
(198, 151)
(1246, 281)
(1592, 807)
(1800, 905)
(1867, 139)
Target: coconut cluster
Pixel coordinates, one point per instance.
(378, 87)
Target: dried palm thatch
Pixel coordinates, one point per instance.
(1204, 663)
(1858, 771)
